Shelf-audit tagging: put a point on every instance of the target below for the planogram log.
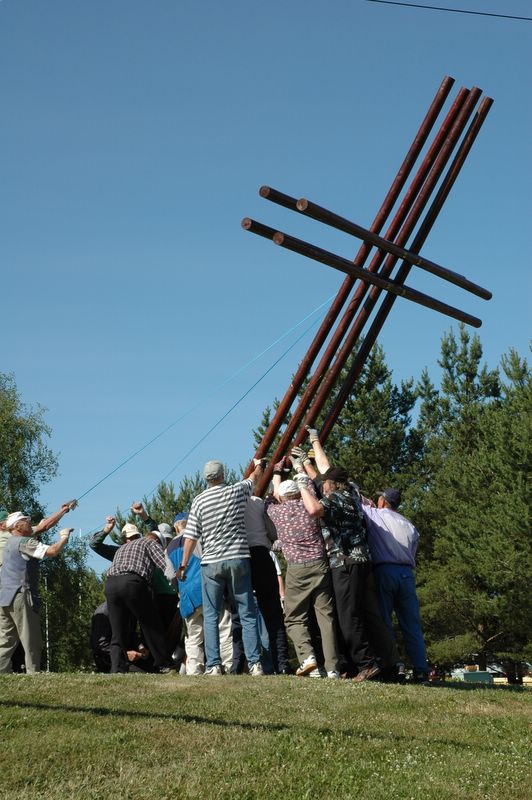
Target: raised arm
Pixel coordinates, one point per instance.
(312, 505)
(53, 550)
(53, 519)
(322, 462)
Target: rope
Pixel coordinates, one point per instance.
(237, 403)
(207, 397)
(232, 408)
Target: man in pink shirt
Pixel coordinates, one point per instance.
(308, 579)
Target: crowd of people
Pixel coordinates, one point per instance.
(207, 594)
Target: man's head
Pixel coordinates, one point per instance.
(288, 490)
(180, 521)
(130, 532)
(214, 472)
(164, 533)
(334, 478)
(18, 524)
(389, 498)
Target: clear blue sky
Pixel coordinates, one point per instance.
(134, 138)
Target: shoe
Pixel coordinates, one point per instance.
(367, 674)
(317, 673)
(213, 671)
(420, 676)
(256, 670)
(308, 665)
(286, 671)
(400, 672)
(334, 674)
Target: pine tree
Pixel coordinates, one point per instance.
(474, 512)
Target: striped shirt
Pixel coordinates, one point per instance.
(217, 518)
(140, 556)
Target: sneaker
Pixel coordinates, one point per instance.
(316, 673)
(333, 674)
(367, 674)
(308, 665)
(420, 676)
(400, 672)
(213, 671)
(256, 670)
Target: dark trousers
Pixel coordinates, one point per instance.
(129, 598)
(170, 617)
(266, 588)
(362, 633)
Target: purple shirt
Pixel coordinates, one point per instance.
(392, 538)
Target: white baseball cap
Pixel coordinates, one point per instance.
(15, 517)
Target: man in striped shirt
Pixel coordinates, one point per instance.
(217, 518)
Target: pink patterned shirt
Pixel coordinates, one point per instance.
(298, 532)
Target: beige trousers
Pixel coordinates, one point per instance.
(194, 641)
(309, 585)
(20, 622)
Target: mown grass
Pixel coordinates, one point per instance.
(241, 738)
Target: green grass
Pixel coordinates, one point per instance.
(239, 738)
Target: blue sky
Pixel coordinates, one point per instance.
(135, 136)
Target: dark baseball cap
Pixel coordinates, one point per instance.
(336, 474)
(392, 496)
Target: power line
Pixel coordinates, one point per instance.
(452, 10)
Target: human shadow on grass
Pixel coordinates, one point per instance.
(471, 687)
(98, 711)
(340, 733)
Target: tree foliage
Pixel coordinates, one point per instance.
(476, 601)
(26, 461)
(372, 437)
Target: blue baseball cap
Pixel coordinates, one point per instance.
(180, 516)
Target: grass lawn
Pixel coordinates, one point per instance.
(239, 738)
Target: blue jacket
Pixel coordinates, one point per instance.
(190, 597)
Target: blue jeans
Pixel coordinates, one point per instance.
(396, 587)
(235, 575)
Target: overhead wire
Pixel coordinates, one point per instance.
(452, 10)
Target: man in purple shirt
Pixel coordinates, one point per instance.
(393, 541)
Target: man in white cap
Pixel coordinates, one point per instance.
(44, 525)
(217, 519)
(308, 578)
(19, 591)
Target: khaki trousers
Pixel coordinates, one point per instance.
(194, 641)
(20, 622)
(306, 585)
